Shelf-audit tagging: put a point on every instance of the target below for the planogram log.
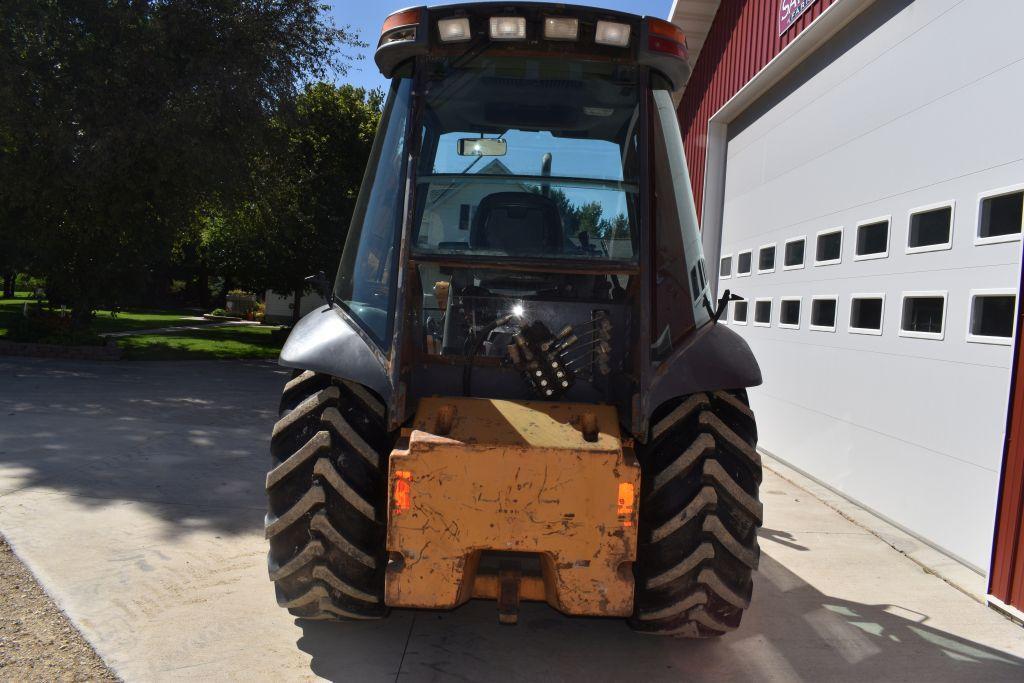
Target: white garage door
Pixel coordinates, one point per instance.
(885, 142)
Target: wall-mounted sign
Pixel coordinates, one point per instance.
(790, 11)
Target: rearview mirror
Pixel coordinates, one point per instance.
(482, 147)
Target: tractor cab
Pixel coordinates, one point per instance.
(526, 227)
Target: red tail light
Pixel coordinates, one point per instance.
(666, 37)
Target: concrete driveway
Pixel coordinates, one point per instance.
(133, 491)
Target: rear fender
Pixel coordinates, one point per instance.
(330, 342)
(713, 358)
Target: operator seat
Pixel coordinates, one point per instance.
(517, 223)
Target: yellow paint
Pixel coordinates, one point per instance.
(513, 476)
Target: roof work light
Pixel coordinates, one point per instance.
(561, 28)
(612, 33)
(454, 30)
(508, 28)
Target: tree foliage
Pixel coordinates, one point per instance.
(588, 217)
(303, 190)
(119, 117)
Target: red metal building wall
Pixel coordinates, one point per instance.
(743, 38)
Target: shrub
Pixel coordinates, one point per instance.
(27, 283)
(43, 327)
(220, 312)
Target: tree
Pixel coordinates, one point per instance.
(120, 117)
(13, 252)
(587, 217)
(303, 191)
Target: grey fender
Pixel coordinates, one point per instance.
(330, 342)
(714, 357)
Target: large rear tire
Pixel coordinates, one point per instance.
(326, 497)
(699, 516)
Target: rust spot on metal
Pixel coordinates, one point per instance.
(445, 419)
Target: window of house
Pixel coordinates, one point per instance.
(992, 317)
(743, 263)
(793, 254)
(923, 315)
(1001, 216)
(828, 248)
(823, 313)
(739, 312)
(766, 259)
(931, 228)
(725, 267)
(866, 313)
(872, 239)
(762, 312)
(789, 312)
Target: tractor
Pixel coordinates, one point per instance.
(519, 387)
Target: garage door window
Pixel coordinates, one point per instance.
(789, 312)
(872, 239)
(992, 316)
(743, 263)
(762, 312)
(725, 267)
(766, 259)
(823, 314)
(923, 315)
(793, 254)
(829, 247)
(866, 311)
(931, 228)
(739, 312)
(1001, 217)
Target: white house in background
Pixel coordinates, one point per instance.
(279, 306)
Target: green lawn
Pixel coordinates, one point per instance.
(126, 320)
(140, 319)
(215, 343)
(212, 343)
(10, 309)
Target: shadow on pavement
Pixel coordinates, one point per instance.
(187, 439)
(792, 631)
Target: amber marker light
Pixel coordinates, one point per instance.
(626, 503)
(402, 494)
(406, 17)
(400, 27)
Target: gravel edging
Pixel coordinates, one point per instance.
(37, 640)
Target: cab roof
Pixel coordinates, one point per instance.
(533, 29)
